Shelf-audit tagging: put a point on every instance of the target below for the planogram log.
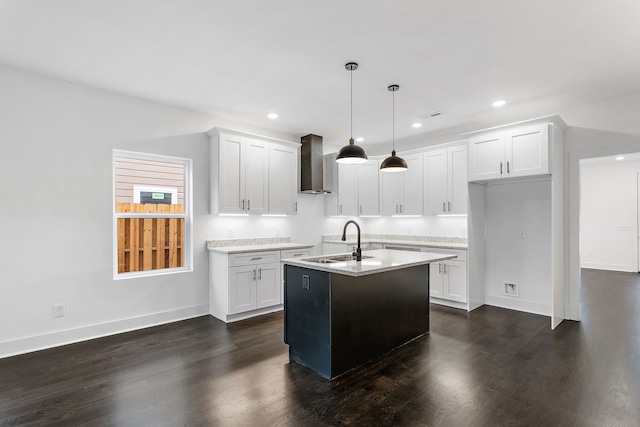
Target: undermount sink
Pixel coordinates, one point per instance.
(337, 258)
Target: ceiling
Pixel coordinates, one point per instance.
(240, 59)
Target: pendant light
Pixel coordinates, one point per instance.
(351, 153)
(393, 163)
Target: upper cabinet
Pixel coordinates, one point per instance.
(251, 174)
(342, 180)
(283, 179)
(445, 181)
(368, 201)
(401, 192)
(511, 153)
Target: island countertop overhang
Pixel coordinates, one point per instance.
(380, 260)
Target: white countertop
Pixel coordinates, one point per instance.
(381, 260)
(415, 243)
(259, 247)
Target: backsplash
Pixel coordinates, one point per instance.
(438, 239)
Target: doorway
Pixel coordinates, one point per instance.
(609, 212)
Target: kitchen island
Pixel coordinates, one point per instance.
(341, 313)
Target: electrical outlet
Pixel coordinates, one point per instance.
(59, 310)
(521, 233)
(511, 289)
(305, 282)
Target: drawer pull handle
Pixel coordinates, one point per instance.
(256, 259)
(295, 255)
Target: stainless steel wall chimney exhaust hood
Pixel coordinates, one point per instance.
(311, 165)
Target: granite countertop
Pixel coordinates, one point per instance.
(380, 260)
(240, 246)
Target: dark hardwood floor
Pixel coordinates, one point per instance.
(491, 367)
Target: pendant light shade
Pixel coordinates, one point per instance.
(351, 153)
(393, 163)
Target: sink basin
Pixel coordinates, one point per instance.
(321, 260)
(342, 258)
(332, 259)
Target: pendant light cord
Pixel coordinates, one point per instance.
(351, 75)
(393, 120)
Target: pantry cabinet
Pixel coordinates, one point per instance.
(513, 153)
(445, 181)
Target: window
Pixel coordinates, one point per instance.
(151, 214)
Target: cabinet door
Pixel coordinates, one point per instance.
(283, 179)
(347, 189)
(487, 157)
(390, 193)
(231, 174)
(458, 187)
(268, 286)
(528, 151)
(435, 182)
(412, 184)
(242, 289)
(436, 288)
(368, 188)
(455, 281)
(256, 176)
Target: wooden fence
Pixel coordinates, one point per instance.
(149, 243)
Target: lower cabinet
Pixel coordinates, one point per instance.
(243, 285)
(448, 280)
(254, 286)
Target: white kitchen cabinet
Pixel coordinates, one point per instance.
(513, 153)
(445, 181)
(448, 279)
(244, 284)
(242, 173)
(283, 179)
(342, 180)
(254, 281)
(401, 192)
(368, 185)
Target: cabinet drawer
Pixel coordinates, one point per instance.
(295, 253)
(253, 258)
(460, 253)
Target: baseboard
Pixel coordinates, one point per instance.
(448, 303)
(84, 333)
(230, 318)
(605, 266)
(518, 304)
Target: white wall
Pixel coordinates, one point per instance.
(518, 245)
(608, 215)
(56, 173)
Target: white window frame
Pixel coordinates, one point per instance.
(187, 215)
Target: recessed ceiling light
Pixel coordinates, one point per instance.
(272, 116)
(417, 125)
(499, 103)
(359, 139)
(620, 158)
